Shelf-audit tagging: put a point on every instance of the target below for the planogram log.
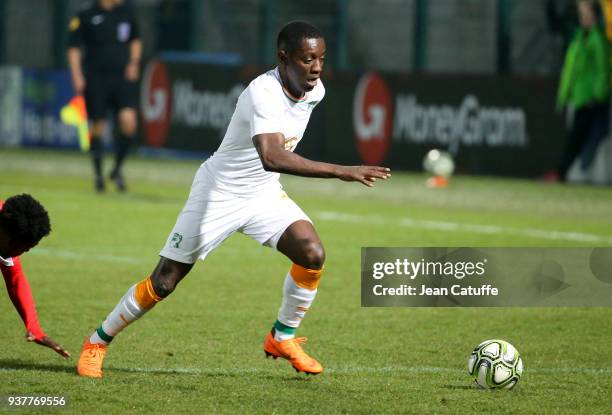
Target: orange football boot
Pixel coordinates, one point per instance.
(90, 361)
(292, 351)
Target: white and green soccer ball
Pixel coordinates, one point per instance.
(495, 364)
(439, 163)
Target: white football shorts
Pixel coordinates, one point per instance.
(209, 217)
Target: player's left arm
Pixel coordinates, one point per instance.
(274, 157)
(21, 295)
(132, 70)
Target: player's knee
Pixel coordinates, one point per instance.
(165, 278)
(313, 255)
(97, 128)
(129, 128)
(163, 285)
(128, 123)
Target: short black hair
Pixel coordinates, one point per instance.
(25, 219)
(290, 37)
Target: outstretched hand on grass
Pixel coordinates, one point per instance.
(48, 342)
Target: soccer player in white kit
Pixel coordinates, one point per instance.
(238, 190)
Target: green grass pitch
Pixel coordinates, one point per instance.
(200, 351)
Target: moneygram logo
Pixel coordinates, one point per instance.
(467, 124)
(195, 108)
(155, 102)
(372, 118)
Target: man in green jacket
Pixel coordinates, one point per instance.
(585, 86)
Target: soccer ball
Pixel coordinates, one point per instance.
(495, 364)
(439, 163)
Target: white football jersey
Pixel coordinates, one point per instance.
(263, 107)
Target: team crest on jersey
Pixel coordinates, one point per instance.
(123, 31)
(176, 240)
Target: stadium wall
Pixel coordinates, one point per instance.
(30, 101)
(10, 105)
(491, 124)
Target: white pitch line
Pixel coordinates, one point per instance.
(331, 370)
(464, 227)
(372, 219)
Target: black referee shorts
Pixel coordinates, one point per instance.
(109, 92)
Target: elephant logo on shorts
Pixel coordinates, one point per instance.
(176, 240)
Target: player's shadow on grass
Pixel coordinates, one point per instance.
(17, 365)
(12, 364)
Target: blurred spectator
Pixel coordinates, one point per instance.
(107, 73)
(585, 88)
(174, 25)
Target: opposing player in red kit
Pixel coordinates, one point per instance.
(23, 223)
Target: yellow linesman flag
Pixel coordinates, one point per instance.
(75, 114)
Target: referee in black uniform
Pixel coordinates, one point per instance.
(104, 51)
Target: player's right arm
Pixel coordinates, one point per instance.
(74, 55)
(76, 72)
(21, 295)
(274, 157)
(266, 108)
